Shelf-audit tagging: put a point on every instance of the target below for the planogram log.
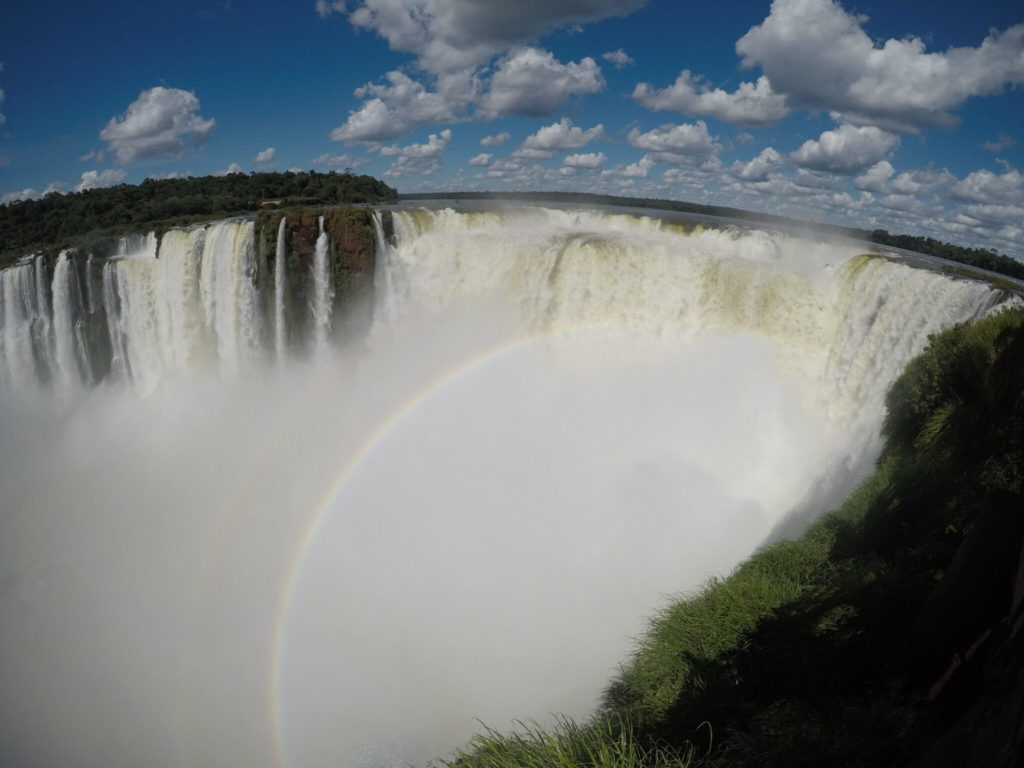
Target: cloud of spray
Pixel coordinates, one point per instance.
(491, 557)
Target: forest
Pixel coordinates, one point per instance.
(78, 218)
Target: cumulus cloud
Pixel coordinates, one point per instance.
(984, 186)
(233, 168)
(557, 137)
(532, 82)
(157, 124)
(995, 214)
(845, 149)
(751, 104)
(340, 161)
(881, 178)
(450, 35)
(394, 108)
(618, 59)
(758, 169)
(325, 8)
(21, 194)
(417, 158)
(894, 84)
(1004, 141)
(265, 156)
(99, 179)
(496, 140)
(483, 159)
(638, 170)
(674, 144)
(590, 160)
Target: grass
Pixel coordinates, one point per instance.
(604, 744)
(807, 654)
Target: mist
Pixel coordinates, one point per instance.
(357, 555)
(491, 557)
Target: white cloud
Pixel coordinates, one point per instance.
(590, 160)
(758, 169)
(845, 149)
(881, 178)
(233, 168)
(341, 161)
(877, 178)
(158, 123)
(819, 57)
(750, 104)
(449, 35)
(265, 156)
(99, 179)
(483, 159)
(638, 170)
(1004, 141)
(417, 158)
(531, 81)
(996, 214)
(55, 186)
(992, 188)
(496, 140)
(14, 197)
(557, 137)
(674, 144)
(618, 59)
(397, 107)
(325, 8)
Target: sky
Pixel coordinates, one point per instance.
(907, 116)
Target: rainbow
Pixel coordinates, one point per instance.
(370, 447)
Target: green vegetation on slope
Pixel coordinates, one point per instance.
(886, 635)
(82, 218)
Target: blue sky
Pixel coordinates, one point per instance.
(907, 116)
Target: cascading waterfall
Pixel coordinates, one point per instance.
(280, 277)
(845, 321)
(323, 290)
(25, 337)
(67, 304)
(555, 418)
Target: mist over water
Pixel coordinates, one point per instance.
(557, 420)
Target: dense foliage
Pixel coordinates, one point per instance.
(868, 641)
(975, 257)
(63, 220)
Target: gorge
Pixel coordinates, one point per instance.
(326, 486)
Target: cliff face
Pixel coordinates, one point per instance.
(353, 251)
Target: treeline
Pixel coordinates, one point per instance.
(62, 220)
(975, 257)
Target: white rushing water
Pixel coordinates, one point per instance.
(323, 290)
(280, 286)
(226, 555)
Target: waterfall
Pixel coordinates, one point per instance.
(323, 290)
(280, 330)
(556, 418)
(25, 340)
(846, 322)
(67, 304)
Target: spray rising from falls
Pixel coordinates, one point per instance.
(345, 557)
